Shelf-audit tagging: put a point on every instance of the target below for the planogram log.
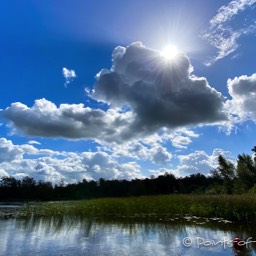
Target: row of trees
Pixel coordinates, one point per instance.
(226, 178)
(29, 189)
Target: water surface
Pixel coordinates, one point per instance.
(74, 236)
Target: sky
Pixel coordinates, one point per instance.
(89, 91)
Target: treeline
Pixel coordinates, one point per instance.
(28, 189)
(225, 179)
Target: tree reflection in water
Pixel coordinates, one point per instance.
(79, 236)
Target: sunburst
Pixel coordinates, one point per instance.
(169, 52)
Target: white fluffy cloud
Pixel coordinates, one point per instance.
(161, 155)
(224, 32)
(9, 152)
(243, 92)
(200, 162)
(69, 75)
(154, 148)
(139, 150)
(195, 162)
(181, 138)
(72, 121)
(48, 165)
(54, 166)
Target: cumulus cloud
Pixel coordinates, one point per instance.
(9, 152)
(72, 121)
(161, 155)
(160, 93)
(140, 150)
(224, 32)
(155, 147)
(49, 165)
(243, 92)
(181, 138)
(20, 161)
(196, 162)
(145, 93)
(69, 75)
(200, 161)
(100, 164)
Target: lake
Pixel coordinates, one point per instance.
(74, 236)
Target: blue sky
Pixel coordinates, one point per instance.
(88, 93)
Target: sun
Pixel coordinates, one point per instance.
(169, 52)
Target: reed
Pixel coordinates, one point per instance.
(239, 208)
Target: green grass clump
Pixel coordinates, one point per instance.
(241, 208)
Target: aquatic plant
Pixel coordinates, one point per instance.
(240, 208)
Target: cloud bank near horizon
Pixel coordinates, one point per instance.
(24, 160)
(49, 165)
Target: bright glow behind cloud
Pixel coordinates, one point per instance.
(169, 52)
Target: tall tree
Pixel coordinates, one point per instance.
(226, 170)
(246, 170)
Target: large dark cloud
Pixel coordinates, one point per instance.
(145, 93)
(161, 93)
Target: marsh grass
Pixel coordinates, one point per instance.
(239, 208)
